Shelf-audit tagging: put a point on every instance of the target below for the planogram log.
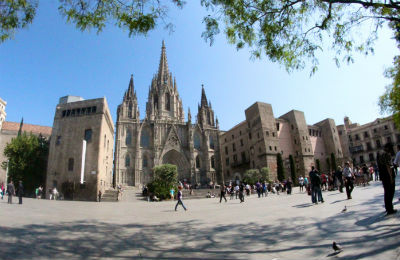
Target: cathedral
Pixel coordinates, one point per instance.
(163, 136)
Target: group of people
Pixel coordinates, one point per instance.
(12, 191)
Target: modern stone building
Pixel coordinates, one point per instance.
(255, 143)
(10, 130)
(81, 148)
(363, 143)
(163, 136)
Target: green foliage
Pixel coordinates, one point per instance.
(295, 32)
(27, 161)
(281, 169)
(292, 170)
(265, 174)
(14, 15)
(165, 179)
(318, 165)
(328, 163)
(137, 16)
(389, 102)
(333, 161)
(251, 176)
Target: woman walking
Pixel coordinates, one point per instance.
(179, 195)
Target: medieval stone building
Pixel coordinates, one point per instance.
(163, 136)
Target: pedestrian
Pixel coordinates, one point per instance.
(179, 197)
(99, 195)
(241, 192)
(315, 180)
(2, 190)
(20, 191)
(237, 191)
(223, 192)
(289, 186)
(40, 192)
(339, 178)
(387, 176)
(349, 179)
(301, 183)
(10, 191)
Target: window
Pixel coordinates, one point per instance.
(240, 132)
(258, 135)
(369, 147)
(167, 102)
(105, 141)
(386, 127)
(361, 159)
(270, 148)
(292, 127)
(226, 149)
(304, 138)
(144, 161)
(243, 154)
(233, 147)
(357, 137)
(295, 142)
(277, 126)
(378, 144)
(235, 158)
(267, 133)
(70, 164)
(127, 160)
(212, 162)
(241, 142)
(128, 138)
(227, 161)
(340, 132)
(130, 110)
(68, 112)
(197, 162)
(250, 136)
(94, 109)
(64, 112)
(88, 135)
(374, 130)
(145, 139)
(350, 138)
(366, 135)
(233, 137)
(58, 140)
(196, 141)
(211, 139)
(275, 148)
(309, 131)
(73, 112)
(273, 134)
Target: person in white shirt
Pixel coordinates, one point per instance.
(349, 177)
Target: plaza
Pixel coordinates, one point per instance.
(276, 227)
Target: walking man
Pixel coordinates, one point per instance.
(20, 191)
(223, 192)
(387, 176)
(10, 191)
(179, 196)
(348, 175)
(315, 181)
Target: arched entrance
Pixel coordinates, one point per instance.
(176, 158)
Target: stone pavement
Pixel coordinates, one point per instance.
(276, 227)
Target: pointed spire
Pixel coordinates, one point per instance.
(217, 122)
(20, 127)
(203, 97)
(189, 115)
(163, 71)
(131, 92)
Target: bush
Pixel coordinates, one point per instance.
(165, 179)
(281, 169)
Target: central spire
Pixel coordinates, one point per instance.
(163, 71)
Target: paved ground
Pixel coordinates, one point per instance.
(277, 227)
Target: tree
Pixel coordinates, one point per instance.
(318, 165)
(292, 170)
(137, 16)
(328, 163)
(165, 179)
(251, 176)
(265, 174)
(333, 161)
(281, 169)
(27, 161)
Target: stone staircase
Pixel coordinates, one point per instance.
(131, 194)
(110, 195)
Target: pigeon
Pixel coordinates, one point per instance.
(344, 209)
(336, 247)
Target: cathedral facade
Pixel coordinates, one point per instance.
(163, 136)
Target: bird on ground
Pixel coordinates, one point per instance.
(336, 247)
(344, 209)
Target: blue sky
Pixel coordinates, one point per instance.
(52, 59)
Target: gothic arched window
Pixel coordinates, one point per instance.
(145, 139)
(211, 140)
(155, 102)
(197, 141)
(212, 162)
(197, 162)
(127, 160)
(167, 102)
(130, 110)
(128, 139)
